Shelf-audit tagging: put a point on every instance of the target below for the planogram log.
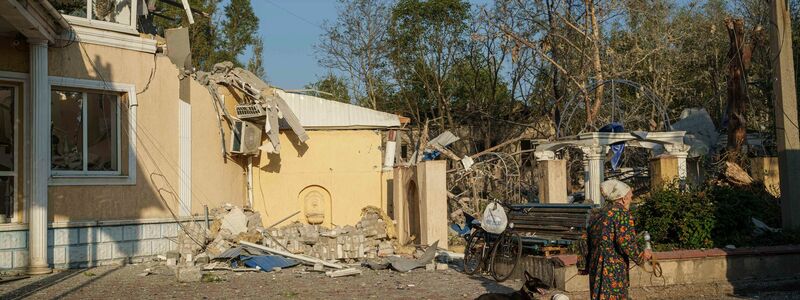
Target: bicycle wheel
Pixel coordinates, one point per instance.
(473, 253)
(505, 256)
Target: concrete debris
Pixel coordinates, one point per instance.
(188, 273)
(404, 264)
(235, 221)
(173, 255)
(345, 272)
(236, 235)
(202, 259)
(371, 237)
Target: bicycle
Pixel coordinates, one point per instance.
(500, 254)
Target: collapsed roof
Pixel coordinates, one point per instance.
(275, 109)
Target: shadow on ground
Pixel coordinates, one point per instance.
(44, 282)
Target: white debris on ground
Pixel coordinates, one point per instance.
(235, 232)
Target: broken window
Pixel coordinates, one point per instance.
(7, 152)
(85, 133)
(112, 11)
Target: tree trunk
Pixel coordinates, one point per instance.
(737, 88)
(597, 66)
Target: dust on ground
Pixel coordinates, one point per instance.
(127, 282)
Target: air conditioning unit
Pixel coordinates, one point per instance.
(246, 137)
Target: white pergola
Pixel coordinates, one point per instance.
(594, 146)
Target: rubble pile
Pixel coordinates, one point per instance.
(234, 239)
(230, 225)
(369, 238)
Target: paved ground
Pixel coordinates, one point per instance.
(123, 282)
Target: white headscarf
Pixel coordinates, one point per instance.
(614, 189)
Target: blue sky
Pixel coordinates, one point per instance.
(290, 28)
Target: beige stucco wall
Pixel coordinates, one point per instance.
(215, 179)
(345, 163)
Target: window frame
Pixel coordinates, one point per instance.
(8, 82)
(86, 177)
(88, 21)
(85, 140)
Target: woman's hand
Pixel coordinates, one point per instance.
(647, 254)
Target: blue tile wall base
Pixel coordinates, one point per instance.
(80, 247)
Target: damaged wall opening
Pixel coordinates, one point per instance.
(412, 211)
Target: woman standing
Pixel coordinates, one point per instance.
(611, 241)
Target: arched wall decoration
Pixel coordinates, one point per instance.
(316, 205)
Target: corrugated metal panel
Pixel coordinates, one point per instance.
(315, 112)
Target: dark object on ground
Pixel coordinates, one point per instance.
(531, 289)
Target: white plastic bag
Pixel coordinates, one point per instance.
(494, 218)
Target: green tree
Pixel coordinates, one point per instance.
(237, 30)
(214, 41)
(356, 44)
(331, 87)
(426, 42)
(256, 62)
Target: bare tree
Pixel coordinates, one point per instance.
(356, 44)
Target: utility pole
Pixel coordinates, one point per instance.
(786, 126)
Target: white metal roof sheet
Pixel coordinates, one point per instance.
(319, 113)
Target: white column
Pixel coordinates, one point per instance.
(681, 152)
(185, 156)
(594, 156)
(40, 155)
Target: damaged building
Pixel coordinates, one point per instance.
(112, 142)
